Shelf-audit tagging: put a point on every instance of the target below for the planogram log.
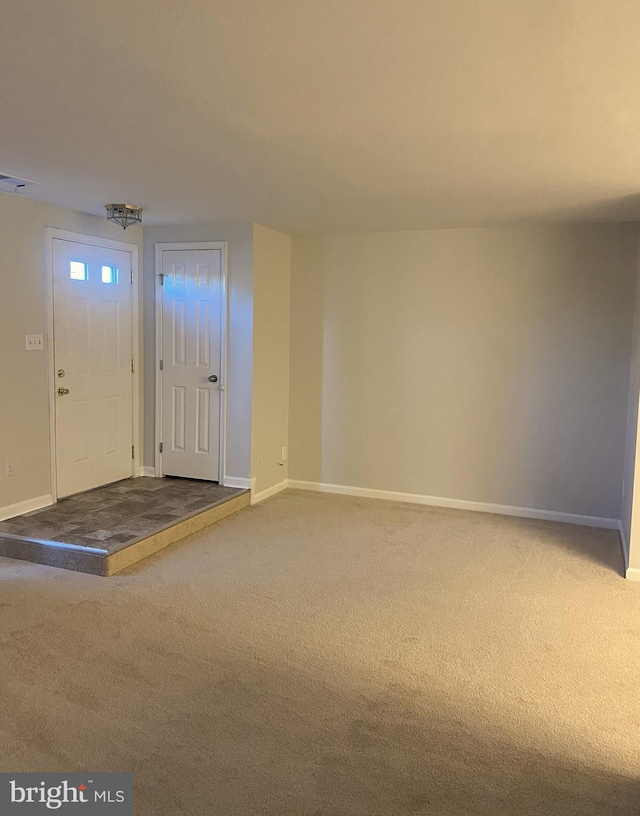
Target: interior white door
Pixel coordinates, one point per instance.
(92, 330)
(192, 304)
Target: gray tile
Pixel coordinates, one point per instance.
(121, 538)
(160, 518)
(118, 513)
(100, 535)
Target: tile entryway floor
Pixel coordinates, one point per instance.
(102, 522)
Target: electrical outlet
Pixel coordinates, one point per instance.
(35, 342)
(8, 468)
(284, 453)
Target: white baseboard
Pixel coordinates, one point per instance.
(459, 504)
(237, 481)
(148, 471)
(632, 574)
(270, 491)
(19, 509)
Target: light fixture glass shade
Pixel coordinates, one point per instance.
(124, 214)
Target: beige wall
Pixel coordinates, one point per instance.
(270, 413)
(631, 484)
(239, 351)
(629, 480)
(487, 365)
(24, 418)
(484, 364)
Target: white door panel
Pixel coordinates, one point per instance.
(192, 304)
(92, 329)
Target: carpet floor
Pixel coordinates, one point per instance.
(318, 655)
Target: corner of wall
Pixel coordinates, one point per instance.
(271, 342)
(630, 502)
(306, 357)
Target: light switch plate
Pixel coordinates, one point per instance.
(35, 342)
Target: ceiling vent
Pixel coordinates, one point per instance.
(14, 184)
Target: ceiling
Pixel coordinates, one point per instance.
(326, 115)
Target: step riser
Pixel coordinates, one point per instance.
(52, 556)
(148, 546)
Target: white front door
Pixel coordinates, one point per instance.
(193, 305)
(93, 380)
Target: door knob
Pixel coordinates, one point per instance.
(213, 378)
(62, 392)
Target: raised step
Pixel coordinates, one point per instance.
(110, 556)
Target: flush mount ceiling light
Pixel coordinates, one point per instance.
(124, 214)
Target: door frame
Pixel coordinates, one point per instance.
(50, 235)
(224, 328)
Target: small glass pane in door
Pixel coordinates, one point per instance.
(78, 270)
(109, 274)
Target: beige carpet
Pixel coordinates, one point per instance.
(327, 656)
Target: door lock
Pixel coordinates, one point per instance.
(61, 372)
(62, 392)
(213, 378)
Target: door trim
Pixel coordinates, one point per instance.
(224, 323)
(50, 235)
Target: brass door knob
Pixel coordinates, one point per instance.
(62, 392)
